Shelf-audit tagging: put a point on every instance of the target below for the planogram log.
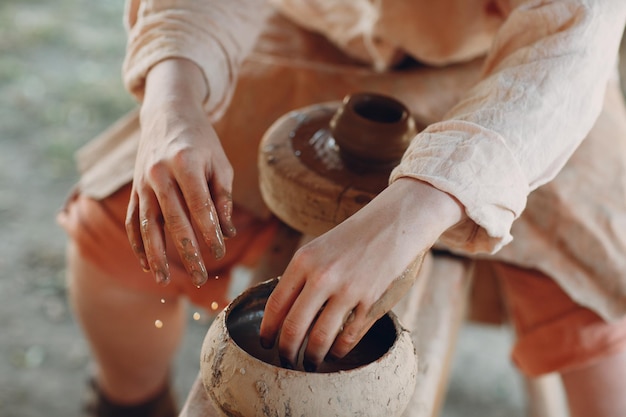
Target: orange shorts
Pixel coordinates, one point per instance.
(554, 334)
(97, 229)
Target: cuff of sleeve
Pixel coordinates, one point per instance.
(167, 34)
(475, 166)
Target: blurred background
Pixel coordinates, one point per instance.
(59, 87)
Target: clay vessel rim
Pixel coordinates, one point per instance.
(352, 107)
(352, 102)
(401, 332)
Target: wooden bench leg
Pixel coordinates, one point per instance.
(433, 312)
(198, 403)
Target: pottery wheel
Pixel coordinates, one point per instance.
(303, 178)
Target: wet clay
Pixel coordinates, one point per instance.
(314, 144)
(244, 320)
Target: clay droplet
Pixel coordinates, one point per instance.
(158, 324)
(214, 305)
(196, 316)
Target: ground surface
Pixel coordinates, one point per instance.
(59, 86)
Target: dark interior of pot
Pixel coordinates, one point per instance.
(243, 321)
(379, 109)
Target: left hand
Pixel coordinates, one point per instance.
(340, 283)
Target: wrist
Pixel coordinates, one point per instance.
(433, 211)
(174, 85)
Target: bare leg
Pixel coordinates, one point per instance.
(597, 390)
(133, 356)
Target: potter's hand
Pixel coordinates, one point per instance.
(340, 283)
(182, 181)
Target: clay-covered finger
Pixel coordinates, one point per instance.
(182, 234)
(208, 226)
(201, 208)
(151, 229)
(133, 232)
(357, 323)
(224, 207)
(299, 319)
(181, 231)
(322, 335)
(278, 305)
(221, 185)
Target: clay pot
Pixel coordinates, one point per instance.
(372, 131)
(376, 379)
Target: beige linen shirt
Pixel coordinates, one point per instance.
(541, 89)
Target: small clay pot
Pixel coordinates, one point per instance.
(243, 379)
(372, 131)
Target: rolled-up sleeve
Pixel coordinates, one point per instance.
(541, 91)
(215, 35)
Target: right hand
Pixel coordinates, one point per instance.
(183, 180)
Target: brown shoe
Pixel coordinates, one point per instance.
(98, 405)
